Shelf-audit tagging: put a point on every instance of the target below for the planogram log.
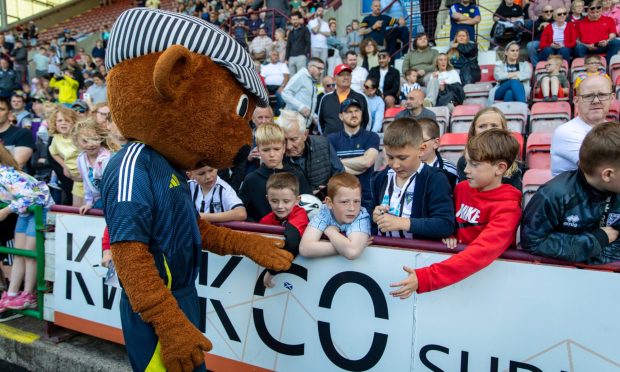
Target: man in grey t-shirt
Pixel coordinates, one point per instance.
(415, 109)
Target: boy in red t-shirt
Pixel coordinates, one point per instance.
(283, 197)
(487, 214)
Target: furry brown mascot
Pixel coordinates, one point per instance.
(182, 92)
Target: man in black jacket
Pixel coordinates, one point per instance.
(298, 44)
(388, 78)
(329, 110)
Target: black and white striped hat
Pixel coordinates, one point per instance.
(141, 31)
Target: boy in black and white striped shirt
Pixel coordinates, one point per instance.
(430, 155)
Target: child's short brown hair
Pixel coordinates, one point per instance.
(402, 132)
(601, 147)
(341, 180)
(269, 133)
(493, 146)
(430, 127)
(411, 71)
(283, 180)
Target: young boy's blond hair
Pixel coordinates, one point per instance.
(341, 180)
(269, 133)
(284, 180)
(493, 146)
(600, 148)
(403, 132)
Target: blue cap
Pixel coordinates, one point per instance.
(349, 102)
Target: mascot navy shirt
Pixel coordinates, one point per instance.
(147, 200)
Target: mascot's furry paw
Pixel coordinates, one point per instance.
(266, 252)
(182, 345)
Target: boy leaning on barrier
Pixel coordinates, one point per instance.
(487, 215)
(576, 215)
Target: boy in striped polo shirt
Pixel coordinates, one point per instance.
(342, 219)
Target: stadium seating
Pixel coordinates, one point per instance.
(614, 111)
(516, 113)
(390, 115)
(442, 115)
(462, 117)
(614, 68)
(486, 73)
(477, 90)
(452, 145)
(532, 180)
(546, 116)
(538, 150)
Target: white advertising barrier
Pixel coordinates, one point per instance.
(331, 314)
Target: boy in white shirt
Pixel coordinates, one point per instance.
(214, 199)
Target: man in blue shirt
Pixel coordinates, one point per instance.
(356, 147)
(464, 16)
(375, 25)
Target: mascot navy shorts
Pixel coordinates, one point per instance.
(140, 337)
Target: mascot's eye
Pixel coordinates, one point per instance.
(242, 106)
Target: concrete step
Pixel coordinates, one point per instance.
(23, 343)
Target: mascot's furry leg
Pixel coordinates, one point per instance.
(182, 344)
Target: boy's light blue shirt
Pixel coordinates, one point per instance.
(325, 218)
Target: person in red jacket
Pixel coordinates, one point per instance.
(559, 37)
(283, 197)
(487, 213)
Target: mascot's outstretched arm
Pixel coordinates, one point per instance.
(266, 252)
(182, 344)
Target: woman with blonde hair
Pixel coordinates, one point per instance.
(444, 86)
(513, 77)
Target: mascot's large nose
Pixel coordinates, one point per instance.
(242, 154)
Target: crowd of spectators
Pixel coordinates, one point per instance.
(331, 93)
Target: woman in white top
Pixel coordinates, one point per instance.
(444, 87)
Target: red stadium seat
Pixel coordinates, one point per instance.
(477, 90)
(442, 115)
(462, 117)
(452, 145)
(389, 116)
(614, 111)
(516, 114)
(546, 116)
(538, 151)
(486, 73)
(532, 180)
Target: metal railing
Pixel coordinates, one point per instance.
(39, 255)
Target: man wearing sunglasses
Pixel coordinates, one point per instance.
(596, 34)
(592, 102)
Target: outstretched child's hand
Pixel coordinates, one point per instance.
(407, 286)
(450, 242)
(268, 280)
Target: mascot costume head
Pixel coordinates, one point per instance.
(182, 92)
